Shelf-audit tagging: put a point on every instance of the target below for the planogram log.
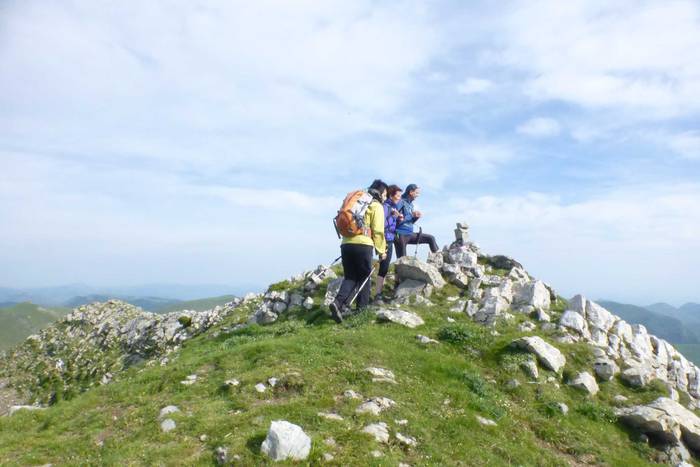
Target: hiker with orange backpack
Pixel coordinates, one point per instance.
(360, 222)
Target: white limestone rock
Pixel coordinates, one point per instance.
(404, 318)
(165, 411)
(605, 369)
(585, 381)
(547, 354)
(409, 267)
(286, 441)
(167, 425)
(375, 405)
(574, 321)
(380, 431)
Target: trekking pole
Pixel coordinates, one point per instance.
(362, 286)
(336, 260)
(420, 234)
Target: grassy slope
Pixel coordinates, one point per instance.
(19, 321)
(440, 390)
(196, 305)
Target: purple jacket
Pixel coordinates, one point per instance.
(389, 221)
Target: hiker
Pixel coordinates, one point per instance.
(404, 230)
(392, 217)
(357, 252)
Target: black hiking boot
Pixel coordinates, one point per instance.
(336, 312)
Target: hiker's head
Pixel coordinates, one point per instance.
(394, 193)
(412, 191)
(378, 189)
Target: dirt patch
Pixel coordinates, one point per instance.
(8, 397)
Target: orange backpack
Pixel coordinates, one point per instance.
(350, 220)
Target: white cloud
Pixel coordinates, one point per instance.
(630, 56)
(474, 86)
(621, 244)
(539, 127)
(686, 144)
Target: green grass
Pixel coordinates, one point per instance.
(17, 322)
(440, 390)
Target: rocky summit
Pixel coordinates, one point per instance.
(469, 360)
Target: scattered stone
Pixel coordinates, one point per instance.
(203, 438)
(16, 408)
(165, 411)
(381, 375)
(221, 455)
(330, 416)
(272, 382)
(260, 387)
(375, 405)
(286, 441)
(232, 382)
(350, 394)
(401, 422)
(586, 382)
(380, 431)
(563, 408)
(530, 369)
(190, 380)
(376, 454)
(527, 326)
(451, 320)
(401, 317)
(485, 421)
(548, 355)
(426, 340)
(330, 442)
(167, 425)
(308, 303)
(620, 398)
(636, 377)
(407, 440)
(605, 369)
(512, 384)
(328, 457)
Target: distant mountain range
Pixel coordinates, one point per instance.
(149, 297)
(674, 326)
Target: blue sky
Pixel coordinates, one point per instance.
(211, 142)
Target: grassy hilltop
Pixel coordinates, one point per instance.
(440, 390)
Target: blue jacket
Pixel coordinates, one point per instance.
(405, 207)
(389, 220)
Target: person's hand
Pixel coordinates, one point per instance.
(417, 214)
(400, 217)
(382, 256)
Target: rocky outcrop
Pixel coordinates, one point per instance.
(98, 340)
(409, 267)
(666, 421)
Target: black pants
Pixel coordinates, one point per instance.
(403, 240)
(357, 266)
(384, 265)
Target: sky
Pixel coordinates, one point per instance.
(207, 142)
